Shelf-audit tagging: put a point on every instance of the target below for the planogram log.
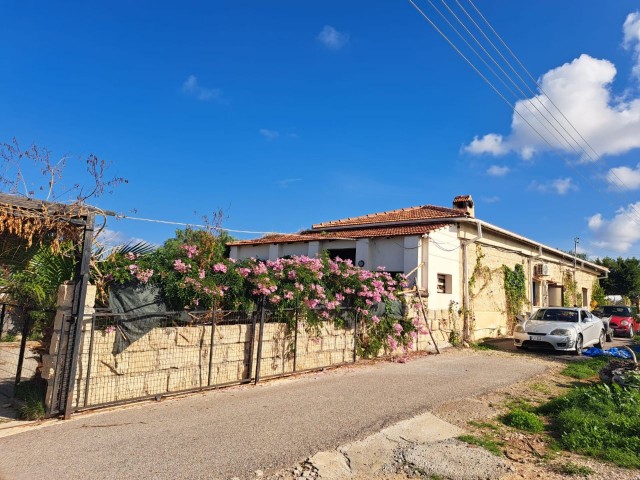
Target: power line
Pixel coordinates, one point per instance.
(620, 183)
(183, 224)
(512, 106)
(509, 77)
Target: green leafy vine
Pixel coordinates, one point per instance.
(515, 288)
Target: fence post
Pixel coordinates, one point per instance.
(26, 328)
(86, 386)
(295, 339)
(213, 331)
(4, 309)
(260, 335)
(355, 337)
(251, 346)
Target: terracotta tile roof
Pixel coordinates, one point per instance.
(310, 235)
(462, 198)
(423, 212)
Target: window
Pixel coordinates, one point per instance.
(535, 296)
(343, 253)
(444, 283)
(585, 297)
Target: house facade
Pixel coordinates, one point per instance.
(455, 258)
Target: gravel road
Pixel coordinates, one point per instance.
(233, 432)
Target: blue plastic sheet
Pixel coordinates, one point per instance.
(611, 352)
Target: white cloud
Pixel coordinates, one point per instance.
(561, 186)
(618, 234)
(631, 30)
(491, 143)
(332, 38)
(269, 134)
(193, 88)
(581, 89)
(498, 171)
(624, 178)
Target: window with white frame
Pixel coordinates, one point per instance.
(444, 283)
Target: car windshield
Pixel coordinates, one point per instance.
(619, 311)
(556, 315)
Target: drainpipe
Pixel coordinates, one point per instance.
(465, 277)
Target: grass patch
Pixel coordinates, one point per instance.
(520, 404)
(8, 337)
(484, 442)
(582, 370)
(540, 387)
(523, 420)
(636, 338)
(490, 426)
(598, 421)
(32, 396)
(483, 346)
(572, 469)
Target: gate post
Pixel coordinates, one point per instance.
(76, 320)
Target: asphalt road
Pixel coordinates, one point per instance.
(233, 432)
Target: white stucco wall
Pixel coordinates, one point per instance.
(443, 257)
(295, 249)
(388, 253)
(248, 251)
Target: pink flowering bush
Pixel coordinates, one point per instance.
(320, 289)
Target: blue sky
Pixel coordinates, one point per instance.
(290, 113)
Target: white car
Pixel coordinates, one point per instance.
(561, 328)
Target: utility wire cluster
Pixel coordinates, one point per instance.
(476, 40)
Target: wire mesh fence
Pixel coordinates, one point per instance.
(124, 358)
(19, 354)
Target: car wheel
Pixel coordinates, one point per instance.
(609, 337)
(631, 332)
(521, 347)
(601, 340)
(578, 350)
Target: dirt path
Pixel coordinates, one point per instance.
(234, 432)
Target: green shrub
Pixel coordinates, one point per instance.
(32, 396)
(523, 420)
(8, 337)
(599, 421)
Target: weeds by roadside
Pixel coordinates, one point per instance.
(483, 346)
(599, 421)
(485, 442)
(571, 468)
(523, 420)
(31, 396)
(581, 370)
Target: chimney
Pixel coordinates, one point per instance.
(464, 202)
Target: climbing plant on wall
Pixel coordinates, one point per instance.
(515, 288)
(571, 296)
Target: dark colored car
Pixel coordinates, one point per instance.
(623, 320)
